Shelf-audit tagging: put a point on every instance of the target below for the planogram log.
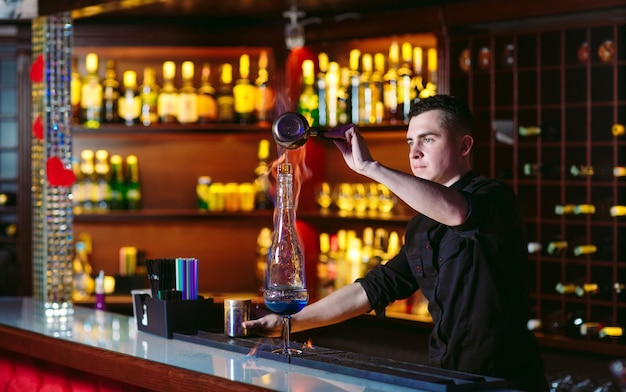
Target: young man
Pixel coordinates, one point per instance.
(465, 249)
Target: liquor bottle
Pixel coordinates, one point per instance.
(263, 243)
(332, 94)
(565, 288)
(88, 174)
(367, 250)
(418, 70)
(405, 76)
(149, 94)
(8, 198)
(377, 85)
(262, 200)
(366, 109)
(343, 96)
(355, 56)
(244, 92)
(116, 184)
(546, 170)
(103, 186)
(81, 271)
(264, 98)
(308, 101)
(618, 210)
(187, 112)
(91, 94)
(225, 98)
(78, 188)
(564, 209)
(431, 84)
(110, 94)
(341, 268)
(167, 103)
(75, 90)
(133, 187)
(8, 230)
(207, 105)
(325, 283)
(548, 131)
(619, 171)
(390, 88)
(321, 88)
(557, 247)
(129, 104)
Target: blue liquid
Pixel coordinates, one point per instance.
(288, 306)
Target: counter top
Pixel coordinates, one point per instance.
(109, 345)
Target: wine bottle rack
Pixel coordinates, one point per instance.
(569, 81)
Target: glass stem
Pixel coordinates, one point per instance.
(286, 329)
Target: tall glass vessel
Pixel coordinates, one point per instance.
(285, 288)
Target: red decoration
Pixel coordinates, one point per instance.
(38, 128)
(36, 70)
(57, 174)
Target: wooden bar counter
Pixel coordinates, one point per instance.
(96, 347)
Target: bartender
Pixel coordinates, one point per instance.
(465, 249)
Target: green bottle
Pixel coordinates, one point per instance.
(133, 188)
(117, 185)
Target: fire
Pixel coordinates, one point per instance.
(308, 345)
(253, 351)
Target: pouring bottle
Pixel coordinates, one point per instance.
(292, 130)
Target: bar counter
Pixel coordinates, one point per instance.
(108, 345)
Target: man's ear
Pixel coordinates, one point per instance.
(467, 142)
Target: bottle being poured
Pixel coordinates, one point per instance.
(285, 289)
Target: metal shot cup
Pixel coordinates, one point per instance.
(236, 311)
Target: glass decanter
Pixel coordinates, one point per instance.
(285, 292)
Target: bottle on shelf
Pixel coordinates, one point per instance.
(117, 184)
(187, 112)
(366, 109)
(81, 271)
(91, 94)
(547, 131)
(102, 185)
(325, 278)
(88, 181)
(431, 84)
(225, 98)
(419, 81)
(618, 210)
(343, 96)
(8, 230)
(308, 101)
(377, 85)
(244, 93)
(129, 104)
(564, 209)
(557, 247)
(133, 187)
(321, 88)
(565, 288)
(75, 89)
(149, 95)
(262, 199)
(545, 170)
(265, 97)
(390, 88)
(355, 104)
(110, 94)
(167, 102)
(207, 105)
(405, 77)
(332, 94)
(8, 198)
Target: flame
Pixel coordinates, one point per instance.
(308, 344)
(253, 351)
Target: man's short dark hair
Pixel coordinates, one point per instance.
(456, 115)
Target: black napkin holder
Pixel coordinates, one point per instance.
(164, 317)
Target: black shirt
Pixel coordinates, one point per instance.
(475, 278)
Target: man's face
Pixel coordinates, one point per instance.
(435, 153)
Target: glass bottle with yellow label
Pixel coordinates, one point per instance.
(91, 94)
(149, 94)
(264, 99)
(133, 187)
(308, 102)
(207, 105)
(187, 96)
(110, 92)
(129, 104)
(167, 104)
(243, 93)
(225, 98)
